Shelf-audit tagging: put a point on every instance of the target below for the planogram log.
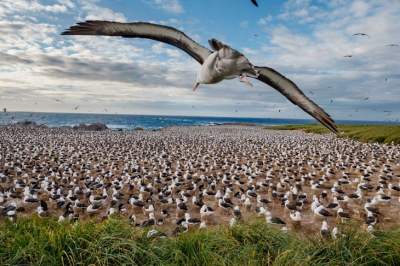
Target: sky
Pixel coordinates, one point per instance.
(305, 40)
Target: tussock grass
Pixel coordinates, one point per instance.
(38, 241)
(365, 133)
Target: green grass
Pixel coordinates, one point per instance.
(365, 133)
(38, 241)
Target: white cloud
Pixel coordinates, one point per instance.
(265, 20)
(360, 8)
(8, 7)
(93, 11)
(306, 42)
(172, 6)
(314, 59)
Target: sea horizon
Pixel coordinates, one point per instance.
(147, 121)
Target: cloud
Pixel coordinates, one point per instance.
(93, 11)
(89, 71)
(171, 6)
(8, 7)
(265, 20)
(306, 42)
(314, 58)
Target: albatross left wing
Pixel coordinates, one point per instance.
(295, 95)
(144, 30)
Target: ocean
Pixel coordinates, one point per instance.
(121, 121)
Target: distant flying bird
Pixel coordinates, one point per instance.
(393, 45)
(348, 56)
(331, 101)
(254, 2)
(218, 64)
(76, 107)
(366, 98)
(58, 100)
(361, 34)
(388, 112)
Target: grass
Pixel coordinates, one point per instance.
(38, 241)
(365, 133)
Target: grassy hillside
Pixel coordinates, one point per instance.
(114, 242)
(365, 133)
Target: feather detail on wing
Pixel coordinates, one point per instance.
(144, 30)
(295, 95)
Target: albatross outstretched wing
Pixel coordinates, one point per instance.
(145, 30)
(295, 95)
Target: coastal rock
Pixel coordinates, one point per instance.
(91, 127)
(28, 123)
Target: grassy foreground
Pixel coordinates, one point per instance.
(114, 242)
(365, 133)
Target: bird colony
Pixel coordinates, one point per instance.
(180, 178)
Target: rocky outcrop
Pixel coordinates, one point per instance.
(91, 127)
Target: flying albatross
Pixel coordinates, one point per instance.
(254, 2)
(222, 62)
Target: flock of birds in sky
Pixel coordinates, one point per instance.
(222, 62)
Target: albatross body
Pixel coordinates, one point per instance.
(224, 63)
(218, 64)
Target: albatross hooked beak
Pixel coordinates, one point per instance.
(251, 72)
(243, 78)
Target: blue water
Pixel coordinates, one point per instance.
(147, 121)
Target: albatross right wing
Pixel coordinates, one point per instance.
(295, 95)
(144, 30)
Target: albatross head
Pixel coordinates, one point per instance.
(224, 63)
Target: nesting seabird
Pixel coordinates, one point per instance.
(218, 64)
(335, 233)
(321, 211)
(342, 214)
(324, 230)
(273, 219)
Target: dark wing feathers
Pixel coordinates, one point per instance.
(180, 40)
(254, 2)
(215, 44)
(145, 30)
(295, 95)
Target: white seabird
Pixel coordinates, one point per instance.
(222, 63)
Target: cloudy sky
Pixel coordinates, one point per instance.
(305, 40)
